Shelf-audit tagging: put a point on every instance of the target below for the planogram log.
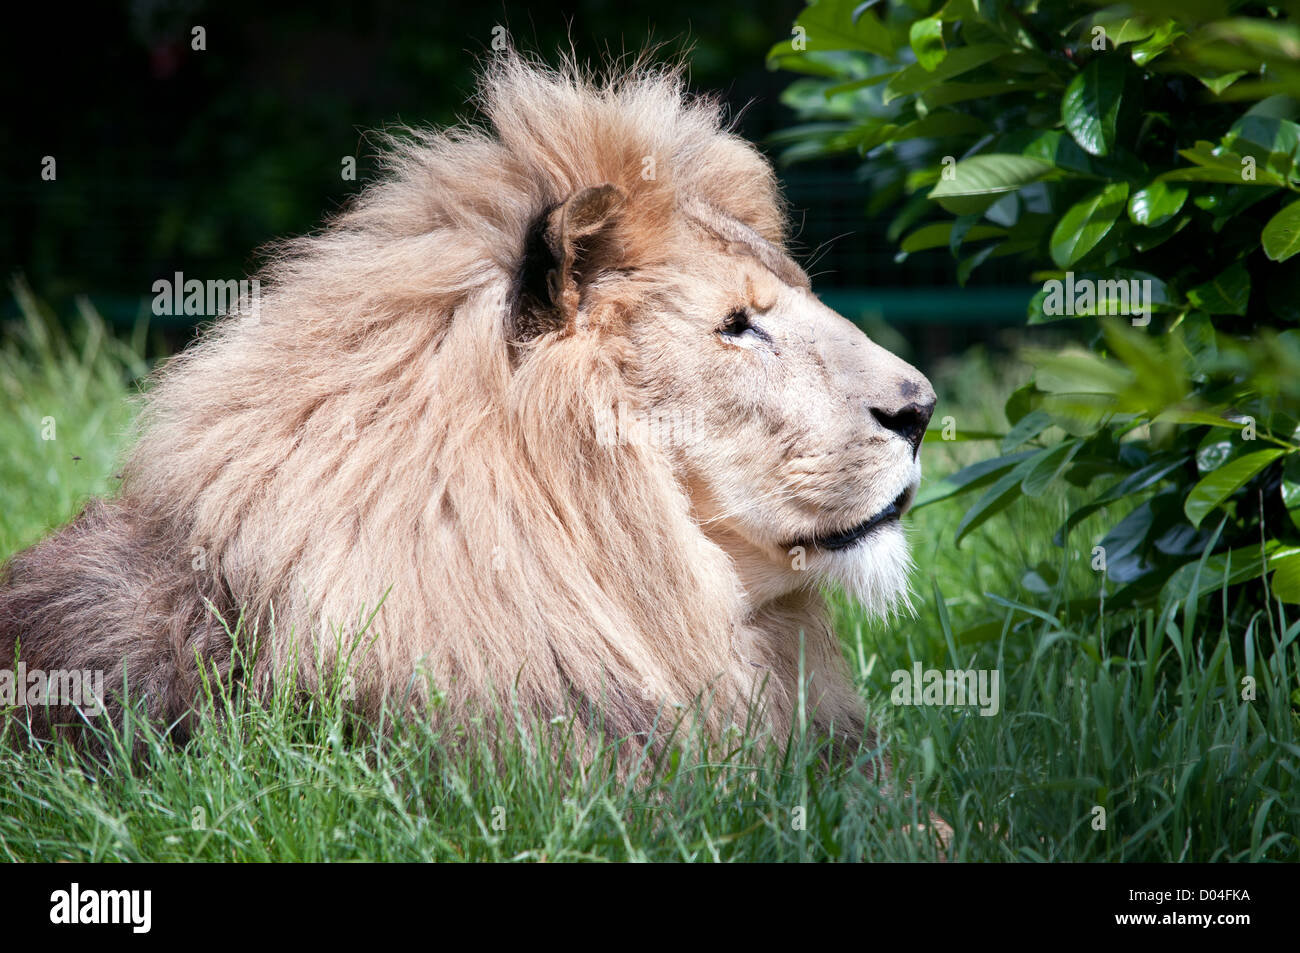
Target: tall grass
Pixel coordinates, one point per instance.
(64, 413)
(1117, 739)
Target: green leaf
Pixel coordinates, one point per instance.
(972, 186)
(871, 135)
(939, 124)
(968, 478)
(1137, 481)
(1119, 28)
(1048, 468)
(926, 37)
(1144, 241)
(1197, 418)
(1267, 38)
(1156, 204)
(781, 56)
(812, 130)
(1086, 223)
(1020, 402)
(1026, 428)
(1090, 108)
(1272, 140)
(1079, 415)
(963, 59)
(831, 25)
(969, 264)
(982, 632)
(1286, 578)
(1221, 176)
(1161, 40)
(1227, 293)
(989, 174)
(1215, 81)
(831, 91)
(1281, 236)
(1073, 370)
(937, 235)
(1230, 568)
(1129, 30)
(1278, 107)
(949, 93)
(1217, 164)
(1212, 490)
(1162, 381)
(1125, 538)
(997, 497)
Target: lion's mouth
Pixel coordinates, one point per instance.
(846, 538)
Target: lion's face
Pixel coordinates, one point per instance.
(797, 436)
(797, 439)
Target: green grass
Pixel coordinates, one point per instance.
(64, 413)
(1142, 717)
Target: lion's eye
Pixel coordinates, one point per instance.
(737, 323)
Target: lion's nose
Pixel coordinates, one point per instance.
(908, 422)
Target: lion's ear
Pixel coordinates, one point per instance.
(566, 247)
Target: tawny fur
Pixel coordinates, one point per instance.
(384, 430)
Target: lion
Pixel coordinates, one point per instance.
(549, 409)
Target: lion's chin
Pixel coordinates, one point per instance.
(875, 571)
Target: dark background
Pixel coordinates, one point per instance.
(171, 159)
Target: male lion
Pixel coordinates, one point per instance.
(551, 396)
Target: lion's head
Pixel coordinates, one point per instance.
(805, 445)
(795, 436)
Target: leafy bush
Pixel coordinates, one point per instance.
(1142, 162)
